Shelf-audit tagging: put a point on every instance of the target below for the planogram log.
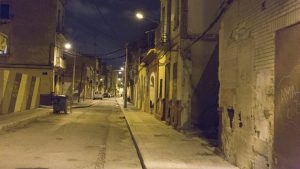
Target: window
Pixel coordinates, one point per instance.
(160, 88)
(4, 11)
(176, 15)
(3, 44)
(60, 20)
(152, 81)
(58, 27)
(174, 71)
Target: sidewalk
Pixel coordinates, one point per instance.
(162, 147)
(22, 118)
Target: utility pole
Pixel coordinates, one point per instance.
(73, 82)
(80, 84)
(125, 77)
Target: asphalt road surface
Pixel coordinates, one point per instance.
(90, 138)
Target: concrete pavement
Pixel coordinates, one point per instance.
(162, 147)
(95, 137)
(22, 118)
(84, 104)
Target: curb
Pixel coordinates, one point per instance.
(138, 151)
(75, 107)
(24, 121)
(82, 106)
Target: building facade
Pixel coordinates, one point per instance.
(187, 78)
(32, 45)
(259, 65)
(178, 79)
(234, 77)
(86, 76)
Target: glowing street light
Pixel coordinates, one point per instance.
(139, 15)
(119, 79)
(68, 46)
(120, 73)
(122, 68)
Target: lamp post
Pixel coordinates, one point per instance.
(140, 16)
(73, 82)
(125, 77)
(68, 47)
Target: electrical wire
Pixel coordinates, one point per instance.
(112, 52)
(223, 7)
(105, 21)
(87, 26)
(115, 58)
(215, 21)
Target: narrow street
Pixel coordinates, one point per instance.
(90, 138)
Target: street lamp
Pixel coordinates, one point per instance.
(68, 46)
(122, 68)
(120, 73)
(139, 15)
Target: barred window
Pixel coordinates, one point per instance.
(3, 44)
(4, 12)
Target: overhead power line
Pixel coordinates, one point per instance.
(215, 21)
(91, 28)
(115, 58)
(223, 7)
(105, 21)
(112, 52)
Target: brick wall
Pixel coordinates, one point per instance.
(247, 53)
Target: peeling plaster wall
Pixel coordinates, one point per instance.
(194, 60)
(141, 87)
(186, 20)
(246, 73)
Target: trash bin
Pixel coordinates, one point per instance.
(59, 103)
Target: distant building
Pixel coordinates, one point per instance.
(31, 52)
(112, 81)
(87, 76)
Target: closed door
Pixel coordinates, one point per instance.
(287, 99)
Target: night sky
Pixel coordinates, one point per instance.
(100, 26)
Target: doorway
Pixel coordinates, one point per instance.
(287, 99)
(205, 97)
(167, 85)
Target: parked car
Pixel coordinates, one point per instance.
(98, 95)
